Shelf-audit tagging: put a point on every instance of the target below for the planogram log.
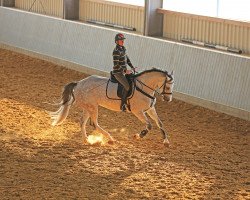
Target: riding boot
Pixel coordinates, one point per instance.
(124, 101)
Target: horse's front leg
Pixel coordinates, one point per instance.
(83, 121)
(143, 118)
(152, 113)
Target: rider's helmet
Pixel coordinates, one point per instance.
(119, 36)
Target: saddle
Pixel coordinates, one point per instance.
(120, 89)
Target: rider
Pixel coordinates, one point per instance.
(121, 59)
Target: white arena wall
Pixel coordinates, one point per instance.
(212, 79)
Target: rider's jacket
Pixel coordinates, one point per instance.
(120, 59)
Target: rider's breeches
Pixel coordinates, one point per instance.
(122, 79)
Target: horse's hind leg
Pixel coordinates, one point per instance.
(83, 121)
(94, 119)
(152, 113)
(143, 118)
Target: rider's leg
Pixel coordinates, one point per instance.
(122, 79)
(124, 100)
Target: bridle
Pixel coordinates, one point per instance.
(165, 83)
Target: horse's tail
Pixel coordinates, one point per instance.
(68, 99)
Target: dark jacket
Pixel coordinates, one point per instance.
(120, 59)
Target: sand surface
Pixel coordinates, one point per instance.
(209, 157)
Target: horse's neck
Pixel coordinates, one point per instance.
(150, 79)
(150, 82)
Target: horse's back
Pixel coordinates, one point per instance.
(91, 84)
(94, 78)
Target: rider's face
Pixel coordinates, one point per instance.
(120, 42)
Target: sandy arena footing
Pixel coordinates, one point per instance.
(209, 157)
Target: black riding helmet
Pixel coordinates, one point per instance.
(119, 36)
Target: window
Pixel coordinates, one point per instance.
(229, 9)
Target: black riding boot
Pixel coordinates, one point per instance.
(124, 101)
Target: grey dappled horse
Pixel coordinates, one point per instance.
(91, 92)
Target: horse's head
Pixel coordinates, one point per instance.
(166, 90)
(158, 81)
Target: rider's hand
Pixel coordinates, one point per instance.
(128, 71)
(134, 70)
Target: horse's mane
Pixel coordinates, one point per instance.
(150, 70)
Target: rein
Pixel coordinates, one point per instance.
(146, 94)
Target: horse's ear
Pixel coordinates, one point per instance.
(170, 74)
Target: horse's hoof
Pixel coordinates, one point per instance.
(166, 143)
(137, 136)
(85, 141)
(111, 142)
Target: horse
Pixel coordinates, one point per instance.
(94, 91)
